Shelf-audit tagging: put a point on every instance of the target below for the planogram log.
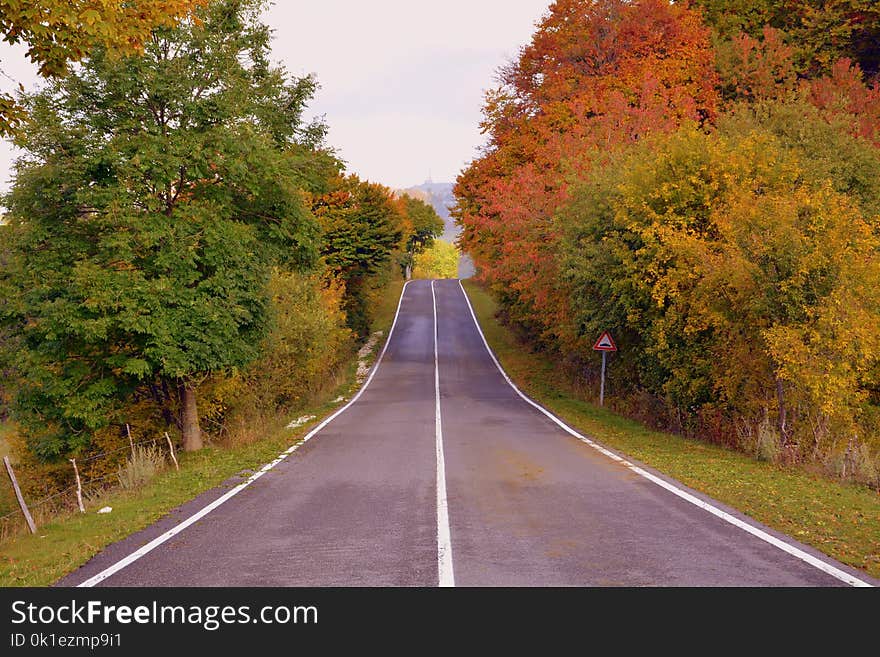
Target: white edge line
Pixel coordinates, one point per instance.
(733, 520)
(446, 573)
(171, 533)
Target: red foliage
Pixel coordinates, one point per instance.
(597, 74)
(760, 68)
(844, 95)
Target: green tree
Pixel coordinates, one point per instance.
(157, 193)
(423, 225)
(61, 31)
(362, 230)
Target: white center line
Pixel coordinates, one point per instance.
(444, 535)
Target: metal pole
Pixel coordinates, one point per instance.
(602, 389)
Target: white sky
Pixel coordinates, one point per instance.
(402, 82)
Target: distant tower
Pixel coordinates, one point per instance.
(430, 180)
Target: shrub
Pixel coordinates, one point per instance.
(144, 464)
(735, 278)
(300, 357)
(768, 444)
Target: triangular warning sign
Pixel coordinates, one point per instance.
(605, 343)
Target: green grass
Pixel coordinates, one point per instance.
(840, 519)
(62, 546)
(386, 307)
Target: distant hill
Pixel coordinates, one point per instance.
(440, 197)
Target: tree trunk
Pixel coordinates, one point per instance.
(192, 432)
(409, 272)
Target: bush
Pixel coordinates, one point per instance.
(144, 464)
(854, 462)
(768, 444)
(735, 277)
(300, 358)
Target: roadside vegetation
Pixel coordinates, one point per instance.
(842, 519)
(68, 540)
(183, 260)
(702, 179)
(438, 262)
(5, 431)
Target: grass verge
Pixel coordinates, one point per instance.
(65, 544)
(386, 306)
(840, 519)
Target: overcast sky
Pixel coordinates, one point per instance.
(402, 81)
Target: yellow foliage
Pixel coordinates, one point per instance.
(61, 31)
(300, 358)
(750, 283)
(437, 262)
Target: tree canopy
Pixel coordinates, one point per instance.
(819, 32)
(362, 229)
(700, 178)
(423, 226)
(157, 193)
(59, 32)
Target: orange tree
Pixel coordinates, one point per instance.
(597, 74)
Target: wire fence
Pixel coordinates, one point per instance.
(64, 502)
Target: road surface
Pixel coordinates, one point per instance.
(489, 491)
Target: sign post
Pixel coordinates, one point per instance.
(605, 344)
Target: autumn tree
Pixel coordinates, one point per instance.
(597, 75)
(157, 193)
(702, 178)
(59, 32)
(737, 277)
(819, 32)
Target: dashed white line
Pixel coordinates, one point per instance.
(445, 569)
(174, 531)
(794, 551)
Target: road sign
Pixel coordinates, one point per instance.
(605, 343)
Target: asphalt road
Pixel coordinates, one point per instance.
(527, 503)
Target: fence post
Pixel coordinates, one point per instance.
(171, 447)
(130, 441)
(24, 509)
(79, 490)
